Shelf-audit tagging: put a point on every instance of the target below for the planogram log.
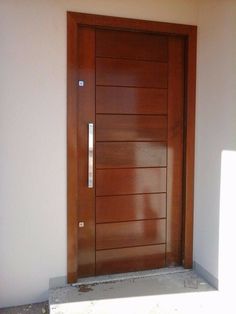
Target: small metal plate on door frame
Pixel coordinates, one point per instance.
(81, 83)
(81, 224)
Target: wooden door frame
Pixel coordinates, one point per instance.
(189, 32)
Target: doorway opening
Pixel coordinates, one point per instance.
(131, 107)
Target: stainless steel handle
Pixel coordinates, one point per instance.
(90, 155)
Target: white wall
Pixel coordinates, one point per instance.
(216, 126)
(33, 133)
(216, 133)
(33, 130)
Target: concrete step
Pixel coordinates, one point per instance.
(141, 292)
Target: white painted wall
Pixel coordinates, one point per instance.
(33, 130)
(33, 133)
(215, 129)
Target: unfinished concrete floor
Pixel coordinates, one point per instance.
(135, 293)
(166, 291)
(37, 308)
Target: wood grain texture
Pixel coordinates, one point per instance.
(118, 72)
(76, 19)
(130, 207)
(131, 128)
(86, 113)
(129, 234)
(191, 48)
(132, 45)
(130, 259)
(129, 100)
(175, 151)
(72, 182)
(132, 24)
(130, 181)
(130, 154)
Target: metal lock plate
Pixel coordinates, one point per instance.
(81, 83)
(81, 224)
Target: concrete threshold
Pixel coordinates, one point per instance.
(138, 292)
(130, 275)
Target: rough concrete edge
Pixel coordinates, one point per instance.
(129, 275)
(59, 282)
(201, 271)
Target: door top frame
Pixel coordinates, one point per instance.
(131, 24)
(74, 20)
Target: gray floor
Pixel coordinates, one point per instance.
(138, 292)
(37, 308)
(156, 284)
(115, 294)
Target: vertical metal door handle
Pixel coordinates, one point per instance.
(90, 155)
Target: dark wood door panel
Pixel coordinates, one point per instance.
(130, 207)
(128, 234)
(175, 158)
(131, 100)
(118, 44)
(85, 207)
(118, 72)
(130, 181)
(130, 259)
(131, 128)
(130, 154)
(139, 91)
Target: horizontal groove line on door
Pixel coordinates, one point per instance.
(134, 86)
(124, 247)
(122, 221)
(148, 167)
(131, 114)
(131, 59)
(110, 195)
(139, 141)
(125, 141)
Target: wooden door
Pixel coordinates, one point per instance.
(132, 89)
